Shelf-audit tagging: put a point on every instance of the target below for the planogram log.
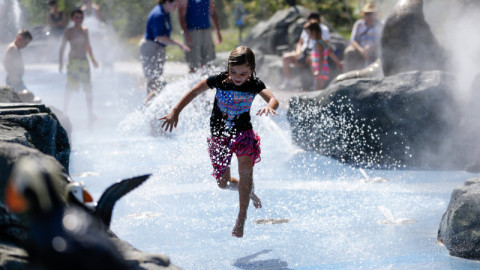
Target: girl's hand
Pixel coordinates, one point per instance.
(171, 121)
(267, 110)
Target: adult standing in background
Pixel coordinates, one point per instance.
(152, 46)
(364, 47)
(194, 16)
(57, 19)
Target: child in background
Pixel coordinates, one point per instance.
(319, 55)
(13, 61)
(230, 126)
(78, 68)
(57, 20)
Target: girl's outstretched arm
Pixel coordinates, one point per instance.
(171, 119)
(335, 59)
(272, 103)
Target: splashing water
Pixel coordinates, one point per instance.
(391, 220)
(17, 13)
(180, 211)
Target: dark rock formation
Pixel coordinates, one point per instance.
(408, 43)
(410, 119)
(35, 125)
(280, 32)
(34, 130)
(460, 226)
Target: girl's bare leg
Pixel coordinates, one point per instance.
(257, 203)
(223, 181)
(245, 169)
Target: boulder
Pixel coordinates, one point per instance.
(408, 120)
(35, 125)
(8, 95)
(279, 32)
(460, 226)
(408, 43)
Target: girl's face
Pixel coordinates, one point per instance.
(239, 74)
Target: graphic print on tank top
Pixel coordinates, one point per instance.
(233, 104)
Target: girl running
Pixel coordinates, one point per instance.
(230, 126)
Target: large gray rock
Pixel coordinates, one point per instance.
(408, 43)
(8, 95)
(35, 125)
(460, 226)
(282, 30)
(14, 228)
(410, 119)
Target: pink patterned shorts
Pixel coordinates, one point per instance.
(221, 149)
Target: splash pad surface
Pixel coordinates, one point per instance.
(333, 210)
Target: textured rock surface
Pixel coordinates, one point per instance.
(460, 226)
(35, 125)
(408, 43)
(410, 119)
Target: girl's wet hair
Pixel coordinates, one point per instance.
(242, 55)
(164, 1)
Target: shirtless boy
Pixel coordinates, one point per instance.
(13, 61)
(78, 69)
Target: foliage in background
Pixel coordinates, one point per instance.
(128, 17)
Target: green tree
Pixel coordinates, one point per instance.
(128, 17)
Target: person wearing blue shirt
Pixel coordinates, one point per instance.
(152, 46)
(194, 16)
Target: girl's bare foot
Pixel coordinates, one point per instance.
(255, 200)
(238, 229)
